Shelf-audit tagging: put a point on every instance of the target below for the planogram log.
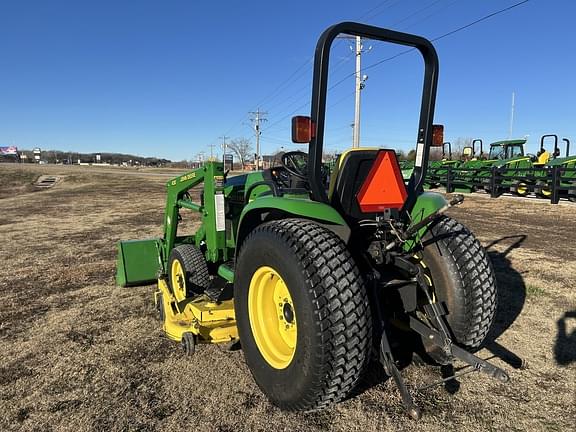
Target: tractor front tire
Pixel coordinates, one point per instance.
(187, 271)
(521, 189)
(303, 314)
(463, 278)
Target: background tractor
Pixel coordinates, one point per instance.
(464, 172)
(561, 170)
(314, 277)
(506, 157)
(438, 170)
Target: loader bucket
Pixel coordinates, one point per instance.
(138, 262)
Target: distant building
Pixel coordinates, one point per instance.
(37, 154)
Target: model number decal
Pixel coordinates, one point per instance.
(187, 177)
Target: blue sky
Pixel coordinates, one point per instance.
(167, 78)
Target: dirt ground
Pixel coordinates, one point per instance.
(79, 354)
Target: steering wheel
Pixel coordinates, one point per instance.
(296, 163)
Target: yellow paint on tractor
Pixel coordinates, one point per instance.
(212, 322)
(272, 317)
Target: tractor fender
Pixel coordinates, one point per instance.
(265, 209)
(273, 208)
(426, 204)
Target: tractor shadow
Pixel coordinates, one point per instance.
(510, 300)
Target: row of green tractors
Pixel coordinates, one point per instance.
(506, 168)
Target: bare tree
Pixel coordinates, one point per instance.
(241, 148)
(401, 154)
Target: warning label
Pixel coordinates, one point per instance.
(220, 216)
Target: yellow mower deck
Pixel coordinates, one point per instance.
(211, 322)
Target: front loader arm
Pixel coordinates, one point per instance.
(211, 210)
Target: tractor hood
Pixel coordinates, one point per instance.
(570, 160)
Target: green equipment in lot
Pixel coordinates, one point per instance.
(315, 278)
(459, 177)
(558, 175)
(506, 157)
(407, 168)
(438, 170)
(509, 160)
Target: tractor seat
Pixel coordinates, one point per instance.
(348, 176)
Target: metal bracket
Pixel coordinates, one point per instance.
(476, 362)
(391, 369)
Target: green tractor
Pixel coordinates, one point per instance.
(315, 278)
(506, 157)
(406, 168)
(561, 170)
(463, 173)
(438, 169)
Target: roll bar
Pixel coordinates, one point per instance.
(320, 87)
(474, 147)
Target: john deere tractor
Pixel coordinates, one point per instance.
(561, 170)
(438, 169)
(507, 157)
(464, 172)
(315, 278)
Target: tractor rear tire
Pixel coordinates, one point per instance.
(187, 271)
(463, 278)
(328, 312)
(543, 189)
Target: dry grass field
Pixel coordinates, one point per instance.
(79, 354)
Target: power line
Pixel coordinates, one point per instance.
(416, 13)
(365, 14)
(459, 29)
(293, 76)
(342, 61)
(401, 53)
(484, 18)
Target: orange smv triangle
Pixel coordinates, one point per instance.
(384, 186)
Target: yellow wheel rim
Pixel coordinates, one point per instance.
(272, 317)
(178, 280)
(522, 189)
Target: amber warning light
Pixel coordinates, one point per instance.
(302, 129)
(384, 186)
(437, 135)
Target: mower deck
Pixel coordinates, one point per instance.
(209, 321)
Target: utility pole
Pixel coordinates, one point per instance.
(258, 117)
(359, 85)
(211, 150)
(223, 138)
(511, 117)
